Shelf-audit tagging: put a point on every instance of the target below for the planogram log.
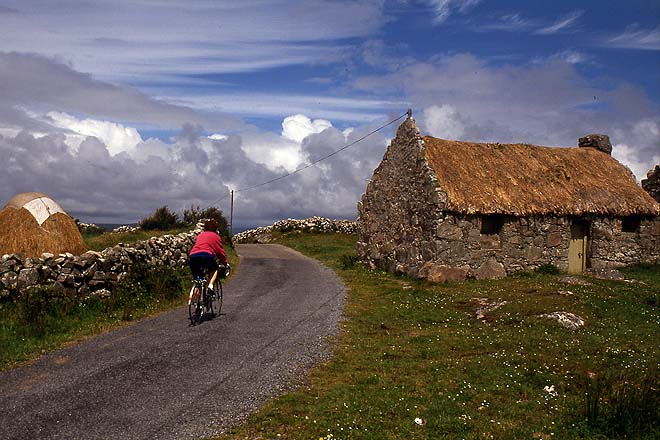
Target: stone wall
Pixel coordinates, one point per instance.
(93, 273)
(610, 246)
(312, 224)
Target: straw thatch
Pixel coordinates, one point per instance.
(21, 233)
(525, 180)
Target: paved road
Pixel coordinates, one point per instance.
(161, 379)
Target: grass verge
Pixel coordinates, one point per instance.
(476, 360)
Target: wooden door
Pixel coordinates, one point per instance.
(577, 247)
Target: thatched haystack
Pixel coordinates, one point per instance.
(32, 224)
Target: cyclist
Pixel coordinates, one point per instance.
(208, 246)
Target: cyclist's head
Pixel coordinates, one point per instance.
(211, 225)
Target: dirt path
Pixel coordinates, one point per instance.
(161, 379)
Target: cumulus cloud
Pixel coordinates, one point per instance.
(116, 137)
(298, 127)
(94, 183)
(443, 122)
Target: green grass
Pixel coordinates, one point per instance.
(409, 349)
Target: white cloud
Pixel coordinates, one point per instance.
(116, 137)
(298, 127)
(353, 109)
(201, 37)
(635, 37)
(443, 122)
(508, 22)
(444, 8)
(562, 24)
(643, 133)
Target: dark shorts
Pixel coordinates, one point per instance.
(201, 264)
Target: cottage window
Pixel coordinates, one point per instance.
(491, 224)
(631, 223)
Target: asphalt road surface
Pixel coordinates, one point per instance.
(163, 379)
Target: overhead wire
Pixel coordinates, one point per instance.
(247, 188)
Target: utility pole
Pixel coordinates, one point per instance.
(231, 214)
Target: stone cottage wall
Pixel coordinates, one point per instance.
(93, 273)
(611, 247)
(399, 210)
(522, 243)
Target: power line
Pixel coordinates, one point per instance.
(247, 188)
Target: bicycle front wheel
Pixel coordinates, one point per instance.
(218, 298)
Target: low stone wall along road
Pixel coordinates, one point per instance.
(162, 379)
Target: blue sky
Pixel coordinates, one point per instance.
(117, 108)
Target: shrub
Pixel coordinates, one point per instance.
(89, 229)
(548, 269)
(162, 219)
(347, 261)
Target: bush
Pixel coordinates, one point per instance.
(347, 261)
(162, 219)
(195, 214)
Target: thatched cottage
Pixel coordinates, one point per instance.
(444, 209)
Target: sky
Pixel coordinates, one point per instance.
(116, 108)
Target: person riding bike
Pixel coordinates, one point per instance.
(208, 246)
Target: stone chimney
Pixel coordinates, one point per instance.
(598, 141)
(652, 183)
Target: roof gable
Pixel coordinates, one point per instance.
(521, 179)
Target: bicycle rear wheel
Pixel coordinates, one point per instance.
(195, 309)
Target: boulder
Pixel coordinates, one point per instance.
(491, 269)
(439, 273)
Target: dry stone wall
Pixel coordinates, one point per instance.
(312, 224)
(93, 273)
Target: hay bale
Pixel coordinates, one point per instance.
(32, 224)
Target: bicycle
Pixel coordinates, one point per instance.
(202, 300)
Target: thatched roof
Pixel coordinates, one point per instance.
(527, 180)
(32, 223)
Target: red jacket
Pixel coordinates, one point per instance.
(209, 242)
